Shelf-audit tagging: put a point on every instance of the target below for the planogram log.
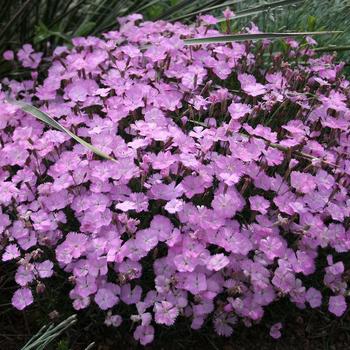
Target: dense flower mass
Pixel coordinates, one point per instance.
(230, 181)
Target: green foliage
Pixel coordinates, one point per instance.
(244, 37)
(57, 21)
(307, 15)
(48, 333)
(63, 345)
(54, 22)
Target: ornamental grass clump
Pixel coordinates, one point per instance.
(227, 179)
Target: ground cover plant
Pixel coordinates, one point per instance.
(225, 185)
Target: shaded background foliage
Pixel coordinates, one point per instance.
(53, 22)
(49, 23)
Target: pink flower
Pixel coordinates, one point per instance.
(284, 280)
(126, 206)
(185, 263)
(161, 227)
(166, 192)
(218, 262)
(144, 334)
(273, 156)
(11, 252)
(22, 298)
(165, 313)
(85, 286)
(275, 330)
(44, 269)
(146, 239)
(130, 296)
(105, 298)
(8, 191)
(227, 204)
(79, 90)
(337, 305)
(302, 182)
(228, 13)
(313, 297)
(273, 247)
(174, 206)
(259, 203)
(276, 80)
(335, 269)
(222, 70)
(195, 282)
(113, 320)
(192, 185)
(208, 19)
(163, 160)
(24, 275)
(8, 55)
(28, 57)
(250, 86)
(73, 247)
(4, 221)
(97, 265)
(239, 110)
(235, 242)
(222, 324)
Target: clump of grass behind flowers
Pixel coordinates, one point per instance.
(230, 178)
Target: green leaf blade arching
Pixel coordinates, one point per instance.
(244, 37)
(44, 117)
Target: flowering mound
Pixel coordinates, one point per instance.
(230, 180)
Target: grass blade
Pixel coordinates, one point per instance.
(38, 114)
(332, 48)
(174, 8)
(147, 5)
(243, 37)
(16, 15)
(47, 334)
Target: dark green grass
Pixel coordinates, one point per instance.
(309, 15)
(53, 22)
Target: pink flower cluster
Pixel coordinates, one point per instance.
(231, 177)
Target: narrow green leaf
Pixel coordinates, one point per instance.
(35, 337)
(47, 334)
(243, 37)
(85, 28)
(173, 9)
(145, 6)
(16, 15)
(311, 22)
(37, 113)
(332, 48)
